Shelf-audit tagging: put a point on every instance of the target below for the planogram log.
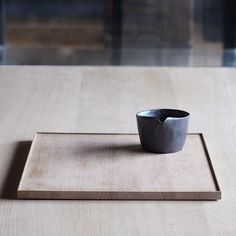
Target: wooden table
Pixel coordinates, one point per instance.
(105, 99)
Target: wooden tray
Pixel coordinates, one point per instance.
(113, 166)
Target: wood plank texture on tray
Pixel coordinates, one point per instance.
(113, 166)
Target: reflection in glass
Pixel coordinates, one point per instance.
(124, 32)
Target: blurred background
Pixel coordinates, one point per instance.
(113, 32)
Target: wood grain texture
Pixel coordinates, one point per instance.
(106, 99)
(113, 166)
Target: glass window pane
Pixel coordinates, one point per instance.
(124, 32)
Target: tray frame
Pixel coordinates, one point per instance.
(120, 195)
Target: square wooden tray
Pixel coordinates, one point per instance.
(113, 166)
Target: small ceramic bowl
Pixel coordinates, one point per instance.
(162, 130)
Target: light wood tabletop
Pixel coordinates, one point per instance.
(106, 99)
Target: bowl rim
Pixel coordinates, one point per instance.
(183, 114)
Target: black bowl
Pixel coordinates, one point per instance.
(162, 130)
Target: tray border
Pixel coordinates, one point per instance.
(120, 195)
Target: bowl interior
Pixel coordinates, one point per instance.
(163, 114)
